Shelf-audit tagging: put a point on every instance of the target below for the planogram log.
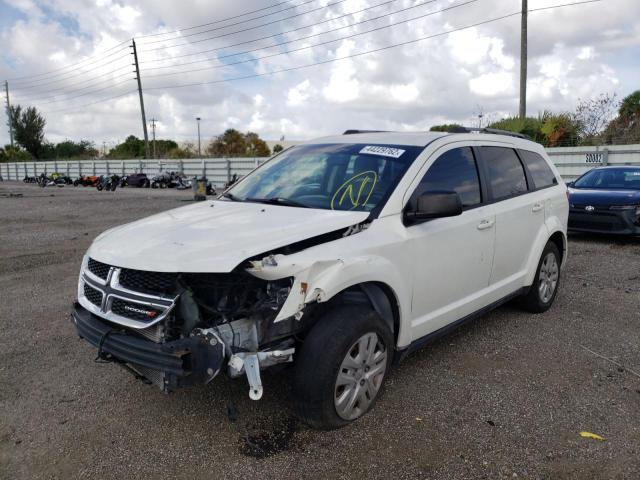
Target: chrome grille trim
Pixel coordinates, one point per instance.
(111, 289)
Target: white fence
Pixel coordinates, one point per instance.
(217, 170)
(571, 162)
(574, 161)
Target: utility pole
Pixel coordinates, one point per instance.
(523, 60)
(153, 133)
(199, 154)
(144, 118)
(10, 123)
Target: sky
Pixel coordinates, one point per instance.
(72, 60)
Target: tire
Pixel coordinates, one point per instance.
(336, 336)
(538, 299)
(99, 187)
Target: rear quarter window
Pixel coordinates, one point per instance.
(539, 169)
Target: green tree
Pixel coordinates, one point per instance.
(447, 127)
(560, 130)
(82, 150)
(625, 128)
(529, 126)
(593, 115)
(13, 154)
(231, 143)
(28, 127)
(132, 147)
(277, 148)
(256, 147)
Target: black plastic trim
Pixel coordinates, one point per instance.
(431, 337)
(185, 361)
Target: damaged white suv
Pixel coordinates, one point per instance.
(340, 255)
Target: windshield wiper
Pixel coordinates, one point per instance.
(287, 202)
(231, 197)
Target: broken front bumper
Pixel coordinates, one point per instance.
(184, 362)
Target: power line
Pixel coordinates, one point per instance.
(306, 47)
(359, 54)
(67, 75)
(130, 92)
(71, 65)
(214, 22)
(46, 93)
(142, 36)
(242, 30)
(243, 21)
(121, 82)
(286, 33)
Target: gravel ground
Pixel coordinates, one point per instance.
(503, 397)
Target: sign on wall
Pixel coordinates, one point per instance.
(594, 158)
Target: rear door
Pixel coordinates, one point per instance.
(520, 214)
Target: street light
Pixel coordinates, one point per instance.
(198, 119)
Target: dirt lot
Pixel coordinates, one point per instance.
(504, 397)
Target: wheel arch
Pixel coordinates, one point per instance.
(379, 296)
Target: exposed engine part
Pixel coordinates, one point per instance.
(215, 341)
(241, 335)
(251, 363)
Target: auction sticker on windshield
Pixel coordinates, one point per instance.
(383, 151)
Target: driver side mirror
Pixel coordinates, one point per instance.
(435, 205)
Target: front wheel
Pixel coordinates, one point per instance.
(543, 291)
(341, 367)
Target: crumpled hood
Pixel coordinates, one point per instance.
(213, 236)
(601, 197)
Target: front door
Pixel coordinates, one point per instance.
(452, 256)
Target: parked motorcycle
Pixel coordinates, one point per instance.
(139, 180)
(108, 184)
(86, 181)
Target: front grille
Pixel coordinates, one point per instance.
(148, 282)
(610, 225)
(93, 295)
(99, 269)
(154, 376)
(134, 311)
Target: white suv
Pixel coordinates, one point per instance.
(340, 255)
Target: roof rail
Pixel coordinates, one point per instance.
(492, 131)
(352, 132)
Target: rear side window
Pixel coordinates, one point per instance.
(453, 171)
(539, 169)
(506, 174)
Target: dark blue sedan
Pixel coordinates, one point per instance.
(606, 200)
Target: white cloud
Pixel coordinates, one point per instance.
(573, 53)
(299, 94)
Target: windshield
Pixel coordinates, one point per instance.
(333, 177)
(610, 178)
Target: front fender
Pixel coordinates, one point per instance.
(322, 280)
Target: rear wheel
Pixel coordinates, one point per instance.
(341, 367)
(543, 291)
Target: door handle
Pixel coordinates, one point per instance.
(484, 224)
(537, 207)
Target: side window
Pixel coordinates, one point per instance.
(454, 171)
(541, 173)
(506, 174)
